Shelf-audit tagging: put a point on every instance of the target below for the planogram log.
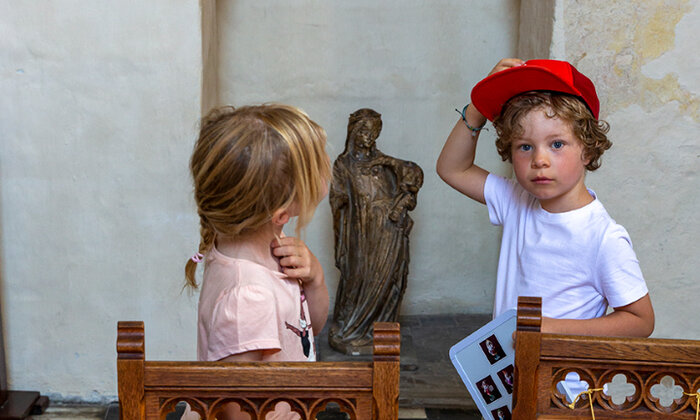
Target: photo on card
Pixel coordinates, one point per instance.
(506, 376)
(502, 413)
(492, 349)
(488, 390)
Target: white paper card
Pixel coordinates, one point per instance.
(484, 361)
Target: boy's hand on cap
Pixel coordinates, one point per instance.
(506, 63)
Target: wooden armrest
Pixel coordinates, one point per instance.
(151, 389)
(654, 378)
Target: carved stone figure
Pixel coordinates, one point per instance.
(370, 196)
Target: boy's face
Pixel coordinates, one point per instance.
(548, 162)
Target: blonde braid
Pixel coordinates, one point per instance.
(206, 243)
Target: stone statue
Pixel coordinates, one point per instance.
(370, 196)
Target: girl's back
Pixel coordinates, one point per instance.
(245, 306)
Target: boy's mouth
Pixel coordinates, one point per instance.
(541, 180)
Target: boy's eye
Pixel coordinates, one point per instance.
(525, 147)
(557, 144)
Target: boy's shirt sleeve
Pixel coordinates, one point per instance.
(621, 278)
(499, 194)
(244, 319)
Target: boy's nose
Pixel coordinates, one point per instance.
(539, 160)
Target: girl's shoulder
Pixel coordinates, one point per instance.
(239, 283)
(216, 258)
(229, 278)
(239, 271)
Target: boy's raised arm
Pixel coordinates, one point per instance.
(456, 162)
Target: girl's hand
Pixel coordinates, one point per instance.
(506, 63)
(297, 260)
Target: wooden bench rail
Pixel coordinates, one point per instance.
(643, 378)
(151, 389)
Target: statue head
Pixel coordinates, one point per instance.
(364, 126)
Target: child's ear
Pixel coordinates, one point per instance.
(281, 216)
(586, 158)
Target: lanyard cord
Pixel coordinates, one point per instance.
(588, 392)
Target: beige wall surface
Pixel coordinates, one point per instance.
(98, 117)
(643, 59)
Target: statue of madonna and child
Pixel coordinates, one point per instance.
(370, 196)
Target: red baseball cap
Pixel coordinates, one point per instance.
(490, 94)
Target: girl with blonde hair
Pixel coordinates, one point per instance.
(263, 294)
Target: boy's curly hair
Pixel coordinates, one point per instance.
(590, 131)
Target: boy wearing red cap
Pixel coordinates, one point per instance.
(558, 241)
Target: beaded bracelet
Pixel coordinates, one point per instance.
(463, 114)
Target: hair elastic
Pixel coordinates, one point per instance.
(474, 130)
(197, 258)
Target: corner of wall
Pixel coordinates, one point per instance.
(210, 59)
(557, 48)
(536, 28)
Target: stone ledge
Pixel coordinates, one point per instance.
(428, 379)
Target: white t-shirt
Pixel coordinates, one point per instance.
(579, 261)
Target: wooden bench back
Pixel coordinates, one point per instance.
(662, 373)
(151, 389)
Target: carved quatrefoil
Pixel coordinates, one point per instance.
(666, 391)
(571, 386)
(619, 389)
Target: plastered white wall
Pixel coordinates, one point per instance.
(412, 61)
(98, 109)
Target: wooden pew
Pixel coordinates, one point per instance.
(643, 378)
(151, 389)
